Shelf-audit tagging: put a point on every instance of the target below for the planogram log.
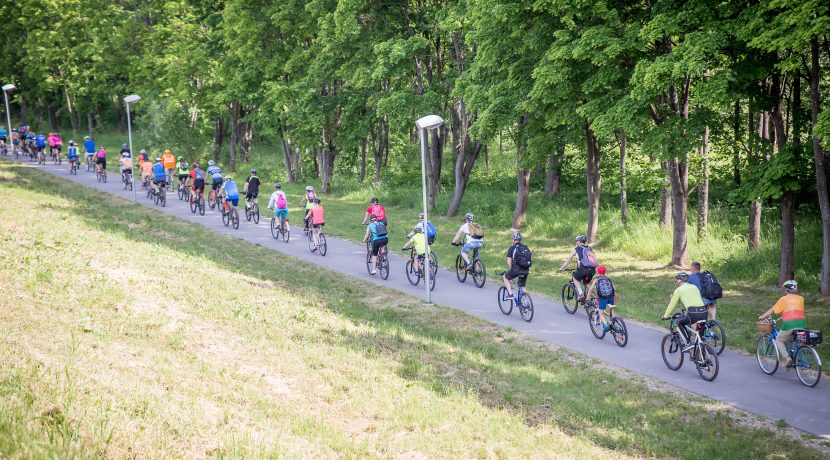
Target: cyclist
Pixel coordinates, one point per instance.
(694, 278)
(603, 289)
(791, 309)
(55, 144)
(3, 136)
(377, 209)
(142, 156)
(689, 296)
(101, 158)
(126, 165)
(215, 173)
(125, 149)
(169, 162)
(197, 178)
(251, 188)
(473, 237)
(426, 228)
(419, 241)
(40, 143)
(517, 256)
(279, 203)
(377, 231)
(308, 201)
(184, 172)
(586, 263)
(72, 154)
(317, 216)
(89, 149)
(159, 176)
(230, 192)
(15, 136)
(146, 168)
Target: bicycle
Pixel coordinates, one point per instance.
(618, 329)
(127, 180)
(569, 294)
(197, 203)
(73, 167)
(56, 156)
(381, 263)
(714, 335)
(183, 192)
(506, 303)
(279, 228)
(101, 175)
(41, 157)
(3, 149)
(252, 212)
(89, 163)
(419, 274)
(804, 357)
(160, 195)
(477, 268)
(321, 248)
(230, 216)
(702, 354)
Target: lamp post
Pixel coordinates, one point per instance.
(425, 124)
(131, 99)
(6, 89)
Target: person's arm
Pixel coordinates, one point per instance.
(366, 234)
(673, 303)
(272, 200)
(365, 218)
(457, 236)
(591, 287)
(772, 310)
(408, 243)
(509, 263)
(568, 260)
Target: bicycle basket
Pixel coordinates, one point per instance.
(808, 337)
(765, 327)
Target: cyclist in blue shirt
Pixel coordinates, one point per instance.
(215, 173)
(89, 149)
(159, 176)
(231, 192)
(41, 142)
(3, 134)
(72, 154)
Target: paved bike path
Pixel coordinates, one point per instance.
(740, 382)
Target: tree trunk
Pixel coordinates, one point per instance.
(523, 187)
(327, 167)
(246, 139)
(70, 110)
(53, 119)
(703, 188)
(820, 169)
(24, 111)
(218, 137)
(554, 172)
(315, 163)
(234, 111)
(90, 123)
(623, 190)
(736, 148)
(363, 146)
(122, 114)
(679, 180)
(434, 160)
(754, 240)
(787, 269)
(665, 199)
(466, 153)
(593, 180)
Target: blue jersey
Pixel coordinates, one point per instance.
(3, 132)
(158, 171)
(373, 228)
(90, 146)
(41, 140)
(215, 172)
(72, 152)
(231, 189)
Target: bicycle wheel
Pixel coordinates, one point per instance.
(247, 213)
(671, 351)
(235, 218)
(384, 265)
(255, 213)
(479, 273)
(569, 298)
(707, 365)
(275, 232)
(201, 205)
(460, 269)
(433, 263)
(526, 308)
(767, 354)
(595, 323)
(324, 248)
(619, 332)
(156, 198)
(715, 336)
(369, 265)
(286, 231)
(310, 237)
(226, 216)
(212, 203)
(104, 176)
(505, 303)
(411, 275)
(808, 366)
(163, 198)
(181, 192)
(130, 181)
(193, 205)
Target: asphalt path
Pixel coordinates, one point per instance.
(740, 382)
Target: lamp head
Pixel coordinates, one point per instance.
(9, 87)
(429, 122)
(132, 98)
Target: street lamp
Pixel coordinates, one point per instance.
(425, 124)
(131, 99)
(6, 89)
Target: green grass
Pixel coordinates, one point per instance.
(131, 333)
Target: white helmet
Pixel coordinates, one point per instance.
(309, 188)
(211, 163)
(469, 217)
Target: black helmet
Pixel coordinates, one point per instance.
(373, 217)
(317, 200)
(253, 171)
(517, 236)
(373, 200)
(682, 276)
(277, 186)
(582, 239)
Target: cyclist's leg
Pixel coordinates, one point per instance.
(782, 343)
(713, 310)
(464, 250)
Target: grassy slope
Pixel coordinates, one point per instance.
(131, 333)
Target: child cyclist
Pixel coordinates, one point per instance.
(419, 241)
(602, 288)
(279, 204)
(72, 154)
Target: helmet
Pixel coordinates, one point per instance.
(158, 158)
(309, 188)
(682, 276)
(373, 200)
(228, 178)
(86, 138)
(469, 217)
(277, 186)
(582, 239)
(373, 217)
(317, 200)
(601, 269)
(181, 160)
(211, 162)
(421, 216)
(790, 285)
(418, 229)
(123, 146)
(143, 151)
(253, 171)
(71, 142)
(517, 236)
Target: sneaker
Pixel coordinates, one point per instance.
(606, 328)
(790, 365)
(373, 272)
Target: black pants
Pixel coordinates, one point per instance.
(692, 316)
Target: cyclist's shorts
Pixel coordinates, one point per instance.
(127, 171)
(182, 177)
(471, 245)
(145, 176)
(58, 148)
(235, 201)
(318, 225)
(216, 184)
(199, 184)
(603, 303)
(160, 180)
(89, 154)
(281, 212)
(584, 274)
(251, 195)
(72, 157)
(515, 272)
(376, 244)
(3, 138)
(101, 161)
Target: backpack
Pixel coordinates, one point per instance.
(199, 174)
(380, 229)
(605, 288)
(588, 259)
(281, 203)
(101, 154)
(522, 256)
(431, 231)
(476, 231)
(709, 286)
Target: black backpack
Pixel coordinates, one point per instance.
(522, 256)
(709, 286)
(380, 229)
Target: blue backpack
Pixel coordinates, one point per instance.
(431, 232)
